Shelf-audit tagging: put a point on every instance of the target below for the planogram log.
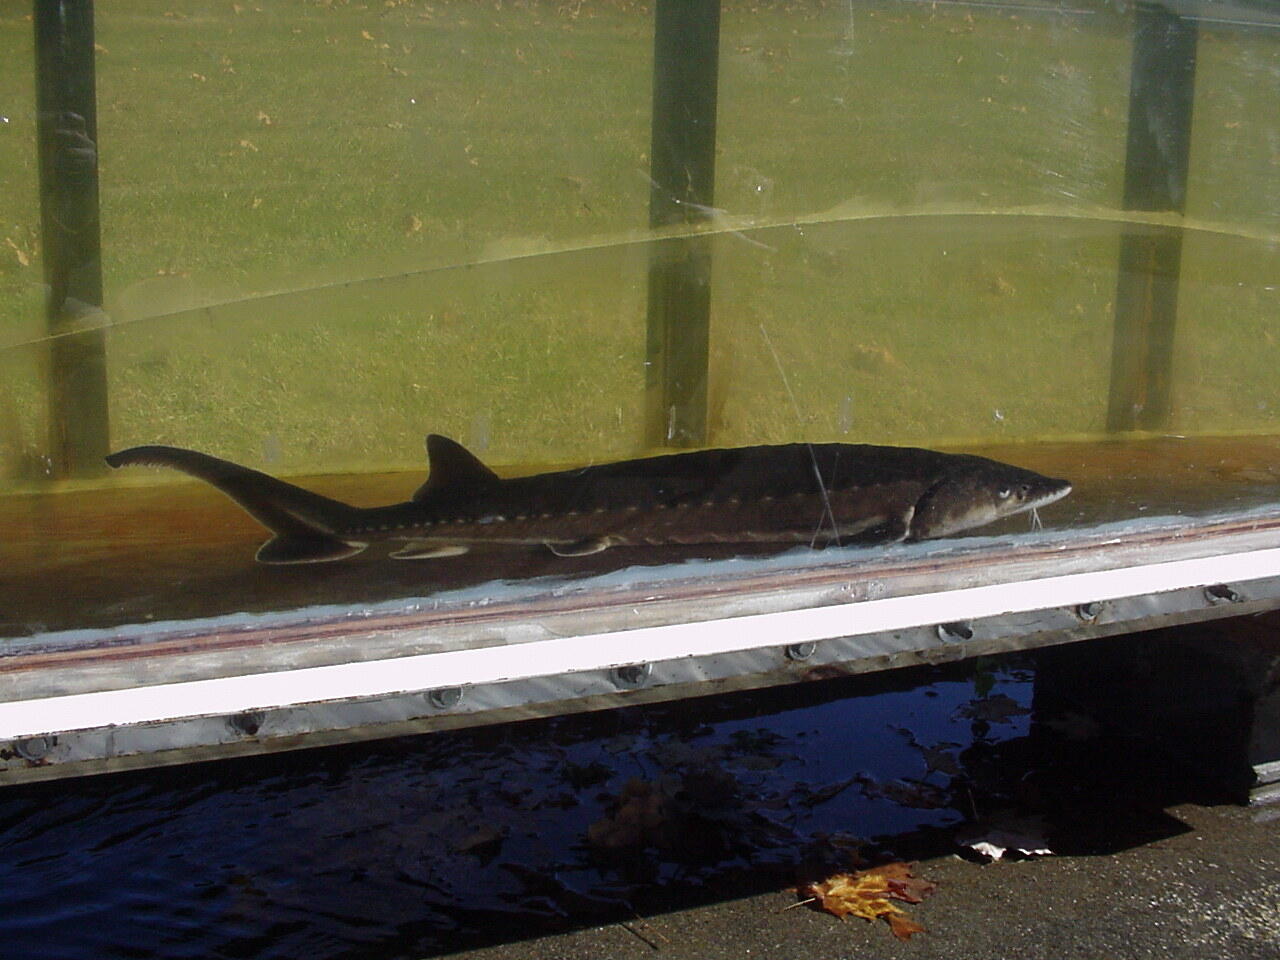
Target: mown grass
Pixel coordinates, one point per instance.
(323, 226)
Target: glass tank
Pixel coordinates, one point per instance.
(572, 236)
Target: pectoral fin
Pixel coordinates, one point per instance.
(429, 550)
(295, 548)
(896, 529)
(580, 548)
(879, 530)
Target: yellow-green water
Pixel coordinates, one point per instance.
(331, 228)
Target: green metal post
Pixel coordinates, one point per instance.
(67, 133)
(1161, 93)
(685, 69)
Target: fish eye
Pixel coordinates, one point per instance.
(1003, 493)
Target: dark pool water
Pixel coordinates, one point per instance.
(421, 846)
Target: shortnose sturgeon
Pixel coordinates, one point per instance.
(795, 493)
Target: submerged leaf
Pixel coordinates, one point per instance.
(639, 820)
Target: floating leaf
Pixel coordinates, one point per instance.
(997, 709)
(937, 757)
(915, 794)
(483, 843)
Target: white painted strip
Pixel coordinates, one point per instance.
(564, 655)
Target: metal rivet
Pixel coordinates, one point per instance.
(1089, 611)
(35, 748)
(1221, 593)
(954, 632)
(631, 676)
(446, 698)
(800, 651)
(247, 724)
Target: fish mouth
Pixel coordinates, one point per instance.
(1033, 504)
(1052, 496)
(1060, 490)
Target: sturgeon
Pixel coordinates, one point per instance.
(820, 494)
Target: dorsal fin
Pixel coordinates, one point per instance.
(454, 470)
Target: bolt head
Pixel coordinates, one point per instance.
(446, 698)
(631, 676)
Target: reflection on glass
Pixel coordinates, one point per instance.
(329, 231)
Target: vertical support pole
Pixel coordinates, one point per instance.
(1161, 94)
(682, 173)
(67, 134)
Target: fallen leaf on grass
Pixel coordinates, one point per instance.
(869, 894)
(872, 358)
(23, 258)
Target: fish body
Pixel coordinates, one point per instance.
(793, 493)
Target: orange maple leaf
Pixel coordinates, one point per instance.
(869, 894)
(903, 926)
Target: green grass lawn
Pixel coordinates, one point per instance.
(329, 228)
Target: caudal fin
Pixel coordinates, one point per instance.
(306, 525)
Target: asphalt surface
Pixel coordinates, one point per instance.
(1208, 888)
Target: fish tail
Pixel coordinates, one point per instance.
(307, 526)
